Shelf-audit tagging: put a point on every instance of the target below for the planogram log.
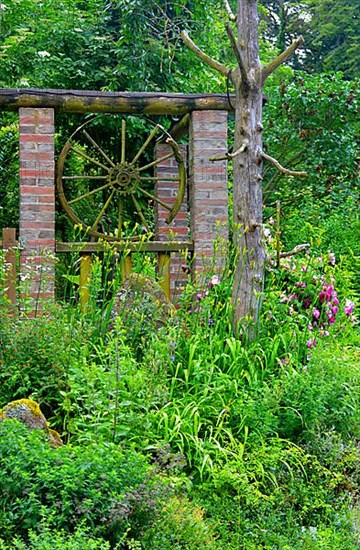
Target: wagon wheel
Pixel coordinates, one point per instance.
(104, 194)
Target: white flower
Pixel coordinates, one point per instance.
(43, 53)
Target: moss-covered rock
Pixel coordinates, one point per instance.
(28, 412)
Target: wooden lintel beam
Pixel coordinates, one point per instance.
(151, 246)
(81, 101)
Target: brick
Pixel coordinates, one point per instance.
(37, 138)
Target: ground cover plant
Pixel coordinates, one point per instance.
(183, 435)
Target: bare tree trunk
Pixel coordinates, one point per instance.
(248, 78)
(247, 205)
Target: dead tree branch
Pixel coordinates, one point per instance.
(235, 47)
(280, 59)
(229, 11)
(298, 248)
(277, 164)
(222, 69)
(230, 156)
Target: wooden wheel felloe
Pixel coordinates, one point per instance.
(108, 195)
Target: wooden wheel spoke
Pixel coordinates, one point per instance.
(123, 142)
(153, 197)
(85, 195)
(141, 215)
(93, 142)
(103, 210)
(85, 156)
(157, 161)
(145, 144)
(154, 178)
(120, 218)
(84, 177)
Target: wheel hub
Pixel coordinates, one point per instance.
(125, 178)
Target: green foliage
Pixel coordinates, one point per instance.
(330, 29)
(102, 487)
(34, 359)
(9, 168)
(301, 134)
(48, 539)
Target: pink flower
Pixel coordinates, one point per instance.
(271, 221)
(331, 320)
(199, 296)
(349, 307)
(315, 313)
(311, 343)
(332, 259)
(334, 310)
(214, 281)
(300, 284)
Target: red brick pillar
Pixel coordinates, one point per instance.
(37, 203)
(178, 229)
(208, 189)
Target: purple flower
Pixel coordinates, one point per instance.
(199, 296)
(315, 313)
(349, 307)
(271, 221)
(334, 310)
(332, 259)
(186, 269)
(311, 343)
(211, 323)
(306, 302)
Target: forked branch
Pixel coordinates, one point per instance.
(222, 69)
(235, 47)
(230, 156)
(280, 59)
(229, 11)
(277, 164)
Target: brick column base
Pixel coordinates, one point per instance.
(208, 190)
(178, 229)
(37, 204)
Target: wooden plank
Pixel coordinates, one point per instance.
(163, 271)
(84, 280)
(151, 246)
(83, 101)
(9, 243)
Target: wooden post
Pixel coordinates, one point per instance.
(9, 243)
(84, 280)
(126, 266)
(164, 272)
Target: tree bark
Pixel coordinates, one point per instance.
(248, 79)
(247, 200)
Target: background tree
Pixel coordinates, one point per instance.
(330, 29)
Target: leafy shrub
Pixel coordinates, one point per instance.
(48, 539)
(34, 356)
(98, 487)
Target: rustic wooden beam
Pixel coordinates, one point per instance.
(82, 101)
(151, 246)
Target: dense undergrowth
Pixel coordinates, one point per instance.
(179, 434)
